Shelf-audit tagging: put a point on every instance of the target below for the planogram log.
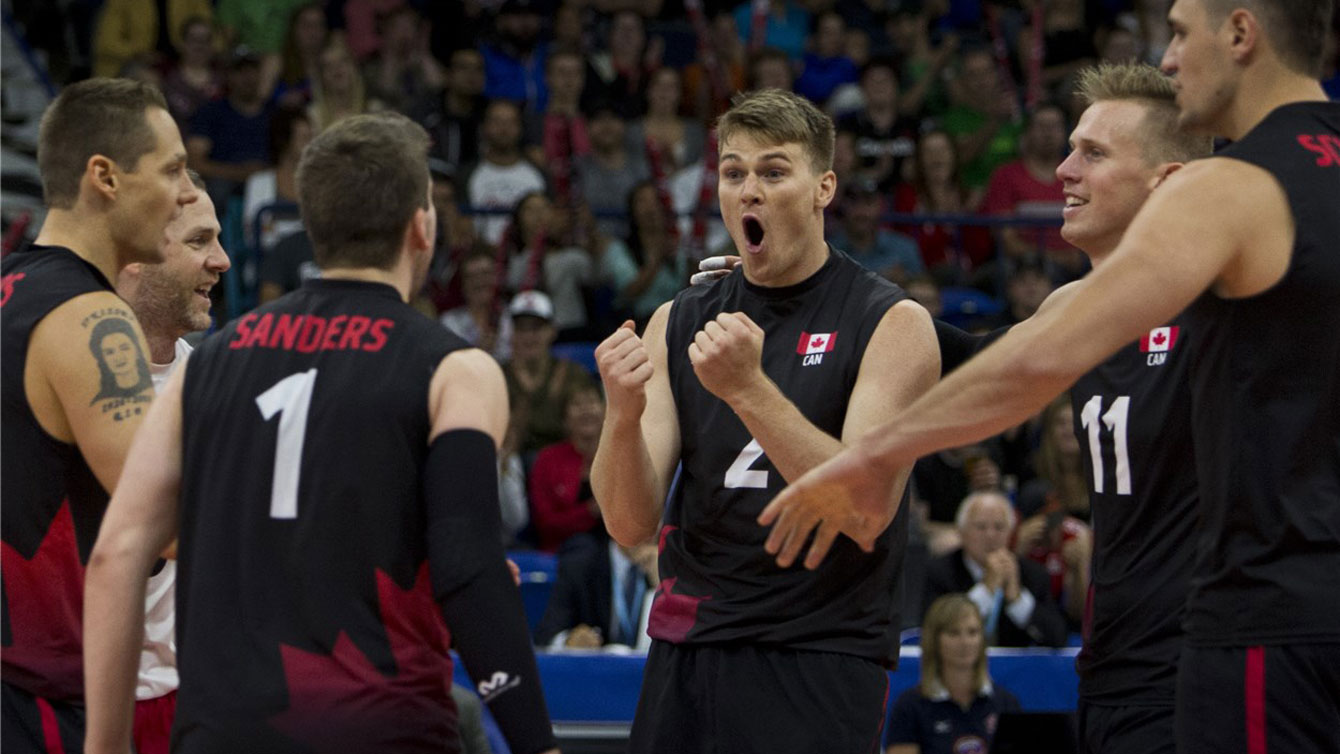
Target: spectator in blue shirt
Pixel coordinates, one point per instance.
(514, 64)
(230, 137)
(891, 254)
(955, 707)
(826, 66)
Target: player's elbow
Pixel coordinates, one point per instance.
(629, 531)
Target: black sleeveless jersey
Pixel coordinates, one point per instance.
(52, 502)
(718, 583)
(1133, 421)
(1266, 386)
(305, 617)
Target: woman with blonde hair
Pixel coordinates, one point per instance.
(955, 706)
(339, 90)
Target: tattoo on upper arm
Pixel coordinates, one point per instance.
(123, 370)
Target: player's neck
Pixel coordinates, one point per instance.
(1260, 94)
(809, 262)
(85, 235)
(162, 344)
(396, 277)
(1098, 256)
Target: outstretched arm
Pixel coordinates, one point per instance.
(1194, 233)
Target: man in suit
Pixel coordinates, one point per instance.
(1011, 592)
(600, 595)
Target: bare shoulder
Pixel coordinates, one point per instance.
(1230, 190)
(1059, 296)
(905, 324)
(91, 354)
(468, 391)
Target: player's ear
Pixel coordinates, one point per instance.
(826, 191)
(102, 176)
(1245, 29)
(422, 231)
(1162, 172)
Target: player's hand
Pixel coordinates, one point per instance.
(583, 636)
(847, 494)
(516, 571)
(712, 269)
(727, 356)
(625, 369)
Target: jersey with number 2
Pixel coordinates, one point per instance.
(718, 583)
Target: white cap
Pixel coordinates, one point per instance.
(532, 304)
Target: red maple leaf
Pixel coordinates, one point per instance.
(1160, 339)
(45, 607)
(341, 702)
(673, 615)
(7, 285)
(818, 341)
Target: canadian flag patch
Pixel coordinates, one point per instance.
(819, 342)
(1159, 339)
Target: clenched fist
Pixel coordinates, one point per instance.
(625, 369)
(727, 355)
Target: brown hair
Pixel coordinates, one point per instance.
(782, 118)
(359, 183)
(943, 613)
(1296, 29)
(98, 116)
(1137, 82)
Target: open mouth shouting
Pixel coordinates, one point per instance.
(753, 234)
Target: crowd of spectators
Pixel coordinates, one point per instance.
(574, 168)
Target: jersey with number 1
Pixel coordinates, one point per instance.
(1133, 420)
(718, 584)
(306, 620)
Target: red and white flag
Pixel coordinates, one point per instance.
(819, 342)
(1159, 339)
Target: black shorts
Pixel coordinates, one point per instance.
(738, 699)
(1126, 729)
(1259, 700)
(32, 725)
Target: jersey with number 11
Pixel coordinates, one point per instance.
(1133, 422)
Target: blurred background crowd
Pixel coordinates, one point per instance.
(574, 181)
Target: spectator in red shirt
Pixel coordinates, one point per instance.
(937, 187)
(1028, 187)
(561, 500)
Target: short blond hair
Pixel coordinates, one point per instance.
(1163, 140)
(783, 118)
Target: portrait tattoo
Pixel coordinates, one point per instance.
(123, 370)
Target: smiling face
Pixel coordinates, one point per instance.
(772, 203)
(172, 297)
(1201, 63)
(1106, 177)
